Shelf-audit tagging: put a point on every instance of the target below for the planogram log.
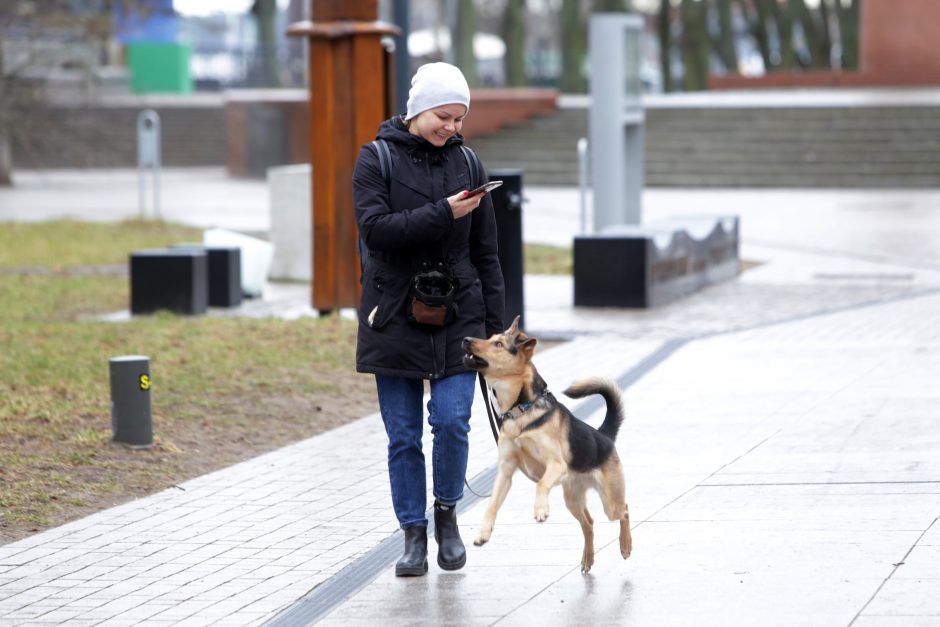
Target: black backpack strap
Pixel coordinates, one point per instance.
(385, 158)
(385, 167)
(473, 164)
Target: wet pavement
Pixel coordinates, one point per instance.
(781, 448)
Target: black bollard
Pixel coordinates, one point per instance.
(131, 418)
(507, 203)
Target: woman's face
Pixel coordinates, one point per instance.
(439, 124)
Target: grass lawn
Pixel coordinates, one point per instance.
(224, 389)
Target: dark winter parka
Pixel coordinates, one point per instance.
(407, 221)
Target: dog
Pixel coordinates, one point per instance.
(539, 436)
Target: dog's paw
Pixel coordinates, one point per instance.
(541, 513)
(483, 536)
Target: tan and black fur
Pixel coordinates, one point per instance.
(546, 442)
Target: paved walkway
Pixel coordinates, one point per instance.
(781, 450)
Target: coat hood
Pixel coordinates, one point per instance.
(394, 130)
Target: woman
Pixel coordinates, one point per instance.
(419, 218)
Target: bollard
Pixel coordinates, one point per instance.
(131, 420)
(583, 183)
(148, 156)
(507, 204)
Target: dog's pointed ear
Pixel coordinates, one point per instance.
(514, 327)
(528, 346)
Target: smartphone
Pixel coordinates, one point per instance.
(482, 189)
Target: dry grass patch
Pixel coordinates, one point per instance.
(225, 389)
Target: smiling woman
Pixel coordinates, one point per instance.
(418, 222)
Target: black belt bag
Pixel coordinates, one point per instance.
(431, 298)
(431, 301)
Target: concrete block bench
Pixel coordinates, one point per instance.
(174, 280)
(650, 265)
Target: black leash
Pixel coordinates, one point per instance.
(494, 421)
(494, 424)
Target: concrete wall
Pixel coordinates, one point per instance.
(247, 131)
(105, 134)
(290, 191)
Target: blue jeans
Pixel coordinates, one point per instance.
(449, 417)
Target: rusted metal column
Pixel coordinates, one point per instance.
(349, 96)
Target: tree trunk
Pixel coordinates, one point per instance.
(665, 44)
(815, 44)
(725, 44)
(514, 35)
(783, 20)
(826, 36)
(573, 44)
(466, 27)
(611, 6)
(6, 159)
(848, 33)
(6, 153)
(695, 45)
(757, 25)
(264, 12)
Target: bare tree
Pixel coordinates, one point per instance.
(465, 29)
(781, 23)
(612, 6)
(6, 148)
(573, 48)
(789, 34)
(514, 36)
(815, 34)
(264, 12)
(696, 45)
(664, 26)
(724, 42)
(847, 25)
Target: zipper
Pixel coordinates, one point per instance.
(433, 375)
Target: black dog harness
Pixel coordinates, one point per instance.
(515, 412)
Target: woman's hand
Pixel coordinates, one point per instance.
(461, 204)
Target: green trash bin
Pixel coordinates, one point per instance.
(160, 67)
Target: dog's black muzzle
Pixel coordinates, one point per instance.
(469, 359)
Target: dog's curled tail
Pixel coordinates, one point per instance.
(611, 393)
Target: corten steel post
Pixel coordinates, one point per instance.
(349, 95)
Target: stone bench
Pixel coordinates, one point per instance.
(169, 279)
(650, 265)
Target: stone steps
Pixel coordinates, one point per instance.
(823, 146)
(73, 137)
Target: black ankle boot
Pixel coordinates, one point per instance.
(414, 561)
(451, 554)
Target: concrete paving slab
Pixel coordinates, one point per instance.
(779, 447)
(814, 551)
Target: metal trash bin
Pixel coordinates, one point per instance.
(507, 203)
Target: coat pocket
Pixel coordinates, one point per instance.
(469, 303)
(383, 297)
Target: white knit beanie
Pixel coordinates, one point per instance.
(434, 85)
